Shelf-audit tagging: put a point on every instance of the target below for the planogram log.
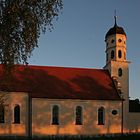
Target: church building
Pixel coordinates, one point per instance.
(45, 101)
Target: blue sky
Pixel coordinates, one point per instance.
(78, 36)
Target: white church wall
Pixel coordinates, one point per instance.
(124, 79)
(41, 117)
(9, 127)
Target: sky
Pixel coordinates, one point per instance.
(77, 39)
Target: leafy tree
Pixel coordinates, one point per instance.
(21, 23)
(3, 98)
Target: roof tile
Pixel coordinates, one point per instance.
(60, 82)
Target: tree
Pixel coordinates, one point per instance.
(3, 98)
(21, 23)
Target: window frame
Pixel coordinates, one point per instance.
(120, 72)
(117, 112)
(53, 121)
(112, 41)
(120, 54)
(81, 116)
(101, 122)
(2, 115)
(124, 55)
(119, 40)
(17, 111)
(112, 54)
(107, 57)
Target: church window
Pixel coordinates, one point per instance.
(101, 116)
(119, 72)
(78, 114)
(124, 55)
(114, 112)
(119, 54)
(17, 114)
(112, 41)
(119, 40)
(112, 54)
(2, 114)
(55, 115)
(107, 57)
(107, 44)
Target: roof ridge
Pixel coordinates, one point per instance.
(63, 67)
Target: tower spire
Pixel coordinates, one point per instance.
(115, 17)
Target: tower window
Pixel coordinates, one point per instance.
(55, 115)
(119, 54)
(112, 41)
(112, 54)
(78, 119)
(107, 44)
(124, 55)
(119, 40)
(2, 114)
(17, 114)
(119, 72)
(107, 57)
(101, 116)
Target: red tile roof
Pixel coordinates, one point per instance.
(60, 82)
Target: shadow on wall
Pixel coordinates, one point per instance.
(39, 83)
(9, 126)
(42, 118)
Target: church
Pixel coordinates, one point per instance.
(46, 101)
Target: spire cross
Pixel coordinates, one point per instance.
(115, 18)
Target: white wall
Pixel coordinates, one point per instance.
(41, 117)
(9, 127)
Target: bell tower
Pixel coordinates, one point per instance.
(116, 61)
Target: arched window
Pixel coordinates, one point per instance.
(17, 114)
(112, 41)
(119, 72)
(107, 44)
(78, 119)
(107, 57)
(119, 40)
(112, 54)
(2, 119)
(55, 115)
(119, 53)
(101, 116)
(124, 55)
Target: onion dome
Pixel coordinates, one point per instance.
(115, 30)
